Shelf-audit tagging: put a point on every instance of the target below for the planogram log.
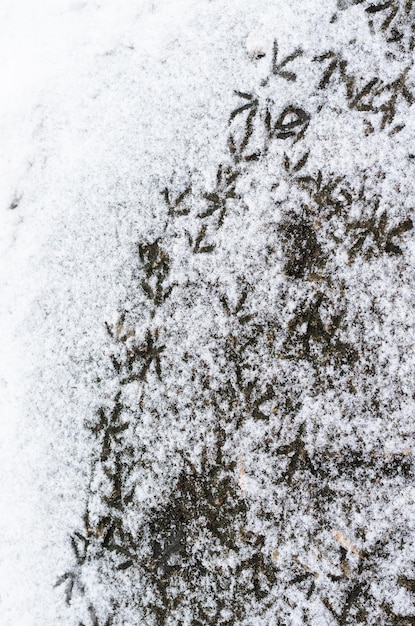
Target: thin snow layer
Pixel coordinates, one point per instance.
(208, 268)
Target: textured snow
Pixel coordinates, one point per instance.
(207, 331)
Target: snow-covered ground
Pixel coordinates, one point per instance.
(207, 331)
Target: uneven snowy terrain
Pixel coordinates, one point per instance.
(207, 321)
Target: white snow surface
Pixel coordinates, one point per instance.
(107, 104)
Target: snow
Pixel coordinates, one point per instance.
(206, 382)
